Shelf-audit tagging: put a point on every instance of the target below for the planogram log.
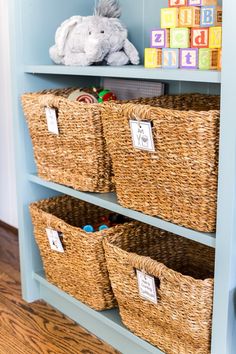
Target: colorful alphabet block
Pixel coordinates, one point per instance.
(169, 17)
(160, 38)
(208, 59)
(219, 66)
(189, 16)
(215, 37)
(200, 37)
(211, 16)
(202, 2)
(189, 58)
(179, 37)
(176, 3)
(170, 58)
(152, 58)
(218, 16)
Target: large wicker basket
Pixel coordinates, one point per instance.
(180, 322)
(177, 182)
(77, 157)
(81, 270)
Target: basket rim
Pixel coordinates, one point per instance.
(147, 261)
(97, 235)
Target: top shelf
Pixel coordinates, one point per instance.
(128, 71)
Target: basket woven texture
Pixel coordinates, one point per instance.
(177, 182)
(81, 270)
(78, 156)
(180, 323)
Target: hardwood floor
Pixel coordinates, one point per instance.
(35, 328)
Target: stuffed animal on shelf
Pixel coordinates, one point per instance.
(97, 39)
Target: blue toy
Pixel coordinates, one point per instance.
(88, 228)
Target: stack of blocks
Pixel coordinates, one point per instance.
(190, 36)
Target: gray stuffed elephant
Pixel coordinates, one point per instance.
(94, 39)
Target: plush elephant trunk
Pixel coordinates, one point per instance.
(96, 49)
(108, 8)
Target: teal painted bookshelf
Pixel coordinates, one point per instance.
(32, 28)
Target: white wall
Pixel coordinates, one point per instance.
(8, 210)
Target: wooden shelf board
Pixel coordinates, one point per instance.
(128, 71)
(109, 201)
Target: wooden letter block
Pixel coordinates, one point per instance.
(211, 16)
(189, 58)
(200, 37)
(170, 58)
(218, 16)
(179, 38)
(169, 17)
(215, 37)
(189, 16)
(160, 38)
(202, 2)
(208, 59)
(152, 58)
(219, 66)
(176, 3)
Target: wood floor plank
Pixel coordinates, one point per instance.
(35, 328)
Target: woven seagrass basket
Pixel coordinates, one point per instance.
(177, 182)
(78, 156)
(180, 322)
(81, 270)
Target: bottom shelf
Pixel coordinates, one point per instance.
(106, 325)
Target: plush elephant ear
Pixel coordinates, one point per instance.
(63, 32)
(119, 34)
(108, 8)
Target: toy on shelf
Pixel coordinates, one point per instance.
(170, 58)
(92, 95)
(215, 37)
(160, 38)
(177, 3)
(105, 223)
(169, 17)
(200, 38)
(201, 2)
(189, 16)
(179, 38)
(208, 59)
(188, 58)
(153, 58)
(187, 28)
(211, 16)
(87, 40)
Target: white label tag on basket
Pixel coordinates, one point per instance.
(142, 135)
(147, 287)
(51, 115)
(54, 240)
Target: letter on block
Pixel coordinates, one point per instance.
(211, 16)
(189, 58)
(208, 59)
(219, 66)
(215, 37)
(179, 38)
(169, 17)
(176, 3)
(200, 37)
(218, 16)
(152, 58)
(189, 16)
(160, 38)
(170, 58)
(201, 2)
